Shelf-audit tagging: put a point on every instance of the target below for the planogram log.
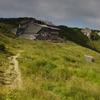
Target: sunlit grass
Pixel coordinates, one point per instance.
(52, 69)
(55, 71)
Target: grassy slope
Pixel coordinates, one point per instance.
(75, 35)
(59, 72)
(51, 71)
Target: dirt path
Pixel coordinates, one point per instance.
(12, 76)
(17, 81)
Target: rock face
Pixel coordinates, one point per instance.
(98, 33)
(87, 32)
(88, 58)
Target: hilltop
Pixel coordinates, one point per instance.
(48, 71)
(77, 35)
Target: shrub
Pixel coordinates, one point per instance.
(2, 47)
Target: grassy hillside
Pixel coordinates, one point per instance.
(59, 72)
(75, 35)
(56, 71)
(50, 71)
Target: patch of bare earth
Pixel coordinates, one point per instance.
(12, 76)
(17, 82)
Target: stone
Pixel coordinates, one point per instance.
(89, 58)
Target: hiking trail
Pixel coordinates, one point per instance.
(12, 76)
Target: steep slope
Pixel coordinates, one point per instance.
(76, 35)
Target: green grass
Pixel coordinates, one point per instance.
(51, 71)
(56, 71)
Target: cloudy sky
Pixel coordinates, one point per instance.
(74, 13)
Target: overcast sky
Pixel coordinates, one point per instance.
(75, 13)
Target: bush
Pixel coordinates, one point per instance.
(2, 47)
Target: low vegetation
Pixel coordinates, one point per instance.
(2, 47)
(75, 35)
(50, 71)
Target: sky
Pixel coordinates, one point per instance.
(73, 13)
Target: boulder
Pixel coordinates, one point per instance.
(89, 58)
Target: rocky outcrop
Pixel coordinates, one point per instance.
(98, 33)
(87, 32)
